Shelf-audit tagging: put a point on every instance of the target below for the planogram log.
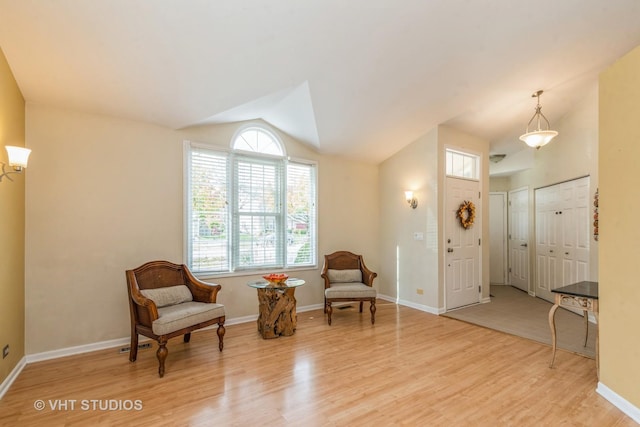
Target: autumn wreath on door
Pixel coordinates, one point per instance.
(466, 214)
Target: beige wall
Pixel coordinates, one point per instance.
(12, 225)
(410, 265)
(572, 154)
(107, 195)
(499, 184)
(407, 265)
(620, 232)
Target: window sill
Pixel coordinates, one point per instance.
(246, 273)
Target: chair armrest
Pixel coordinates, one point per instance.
(149, 311)
(367, 275)
(201, 291)
(327, 284)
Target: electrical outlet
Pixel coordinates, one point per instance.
(419, 291)
(5, 351)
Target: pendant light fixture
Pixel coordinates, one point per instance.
(539, 137)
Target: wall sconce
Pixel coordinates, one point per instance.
(413, 202)
(18, 158)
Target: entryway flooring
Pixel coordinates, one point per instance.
(515, 312)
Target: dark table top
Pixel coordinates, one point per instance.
(580, 289)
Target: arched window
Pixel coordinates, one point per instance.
(257, 140)
(250, 208)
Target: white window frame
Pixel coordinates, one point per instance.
(233, 250)
(468, 159)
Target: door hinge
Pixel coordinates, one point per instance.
(509, 202)
(479, 288)
(478, 194)
(509, 269)
(478, 242)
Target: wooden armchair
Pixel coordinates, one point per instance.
(347, 278)
(166, 301)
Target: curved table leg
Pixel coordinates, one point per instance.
(552, 325)
(586, 326)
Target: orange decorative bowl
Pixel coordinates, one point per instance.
(276, 278)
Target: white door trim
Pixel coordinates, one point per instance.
(505, 250)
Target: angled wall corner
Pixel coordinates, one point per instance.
(12, 226)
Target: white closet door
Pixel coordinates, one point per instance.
(562, 235)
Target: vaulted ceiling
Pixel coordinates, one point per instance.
(360, 78)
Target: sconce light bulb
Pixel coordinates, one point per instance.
(413, 202)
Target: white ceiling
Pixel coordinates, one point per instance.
(360, 78)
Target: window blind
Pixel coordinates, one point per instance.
(258, 212)
(208, 225)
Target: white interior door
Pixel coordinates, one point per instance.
(562, 235)
(462, 256)
(497, 238)
(575, 220)
(519, 238)
(547, 219)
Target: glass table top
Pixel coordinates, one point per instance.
(263, 284)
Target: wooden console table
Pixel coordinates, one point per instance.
(582, 296)
(277, 307)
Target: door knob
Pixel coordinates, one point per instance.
(524, 245)
(449, 250)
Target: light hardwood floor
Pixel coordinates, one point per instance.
(410, 368)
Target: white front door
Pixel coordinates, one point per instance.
(519, 238)
(462, 246)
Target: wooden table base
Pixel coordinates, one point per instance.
(277, 312)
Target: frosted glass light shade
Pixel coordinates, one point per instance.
(18, 156)
(408, 195)
(539, 138)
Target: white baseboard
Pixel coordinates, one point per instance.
(411, 304)
(79, 349)
(309, 308)
(387, 298)
(619, 402)
(123, 342)
(4, 386)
